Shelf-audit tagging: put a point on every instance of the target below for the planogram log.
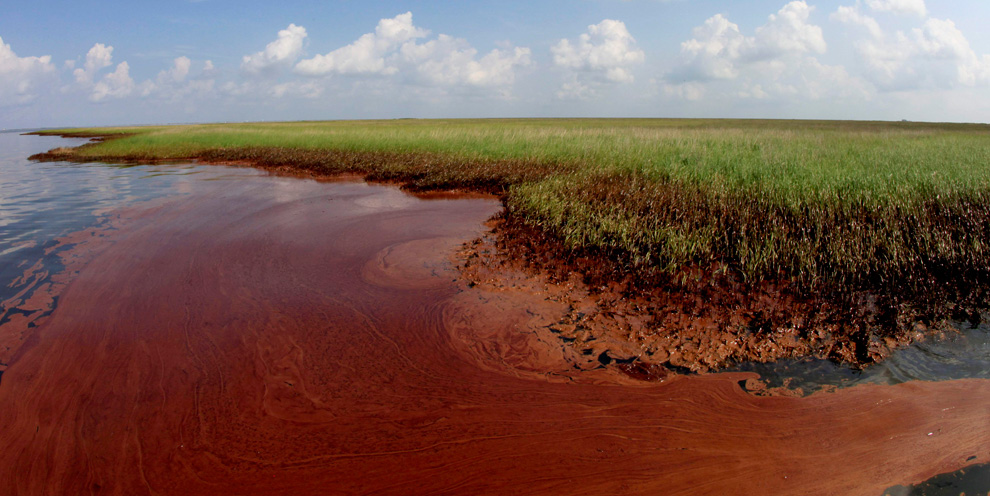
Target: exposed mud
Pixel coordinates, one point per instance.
(696, 321)
(279, 336)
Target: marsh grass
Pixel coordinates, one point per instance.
(833, 207)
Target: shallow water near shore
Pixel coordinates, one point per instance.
(962, 352)
(41, 202)
(214, 329)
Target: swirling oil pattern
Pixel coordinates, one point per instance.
(275, 335)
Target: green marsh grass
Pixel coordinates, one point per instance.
(830, 206)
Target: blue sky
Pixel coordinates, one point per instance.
(109, 63)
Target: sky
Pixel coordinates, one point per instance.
(83, 63)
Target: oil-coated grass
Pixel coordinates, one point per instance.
(831, 206)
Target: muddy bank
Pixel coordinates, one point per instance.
(275, 336)
(698, 320)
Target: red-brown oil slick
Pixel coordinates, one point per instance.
(283, 336)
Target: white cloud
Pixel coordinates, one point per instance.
(448, 61)
(21, 76)
(178, 72)
(903, 7)
(787, 31)
(277, 55)
(940, 39)
(607, 49)
(393, 51)
(852, 15)
(367, 54)
(713, 52)
(97, 58)
(934, 55)
(776, 63)
(718, 49)
(117, 84)
(174, 83)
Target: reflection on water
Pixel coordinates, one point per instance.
(972, 481)
(41, 202)
(961, 355)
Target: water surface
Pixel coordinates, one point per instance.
(962, 352)
(224, 331)
(41, 202)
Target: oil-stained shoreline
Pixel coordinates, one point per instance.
(278, 335)
(705, 315)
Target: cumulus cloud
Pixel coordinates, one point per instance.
(936, 54)
(97, 58)
(367, 54)
(277, 55)
(787, 31)
(395, 50)
(175, 84)
(606, 49)
(714, 51)
(903, 7)
(719, 49)
(116, 84)
(21, 76)
(449, 61)
(941, 39)
(852, 16)
(179, 70)
(778, 61)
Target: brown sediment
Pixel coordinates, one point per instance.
(698, 320)
(277, 336)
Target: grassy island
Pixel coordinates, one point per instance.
(887, 224)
